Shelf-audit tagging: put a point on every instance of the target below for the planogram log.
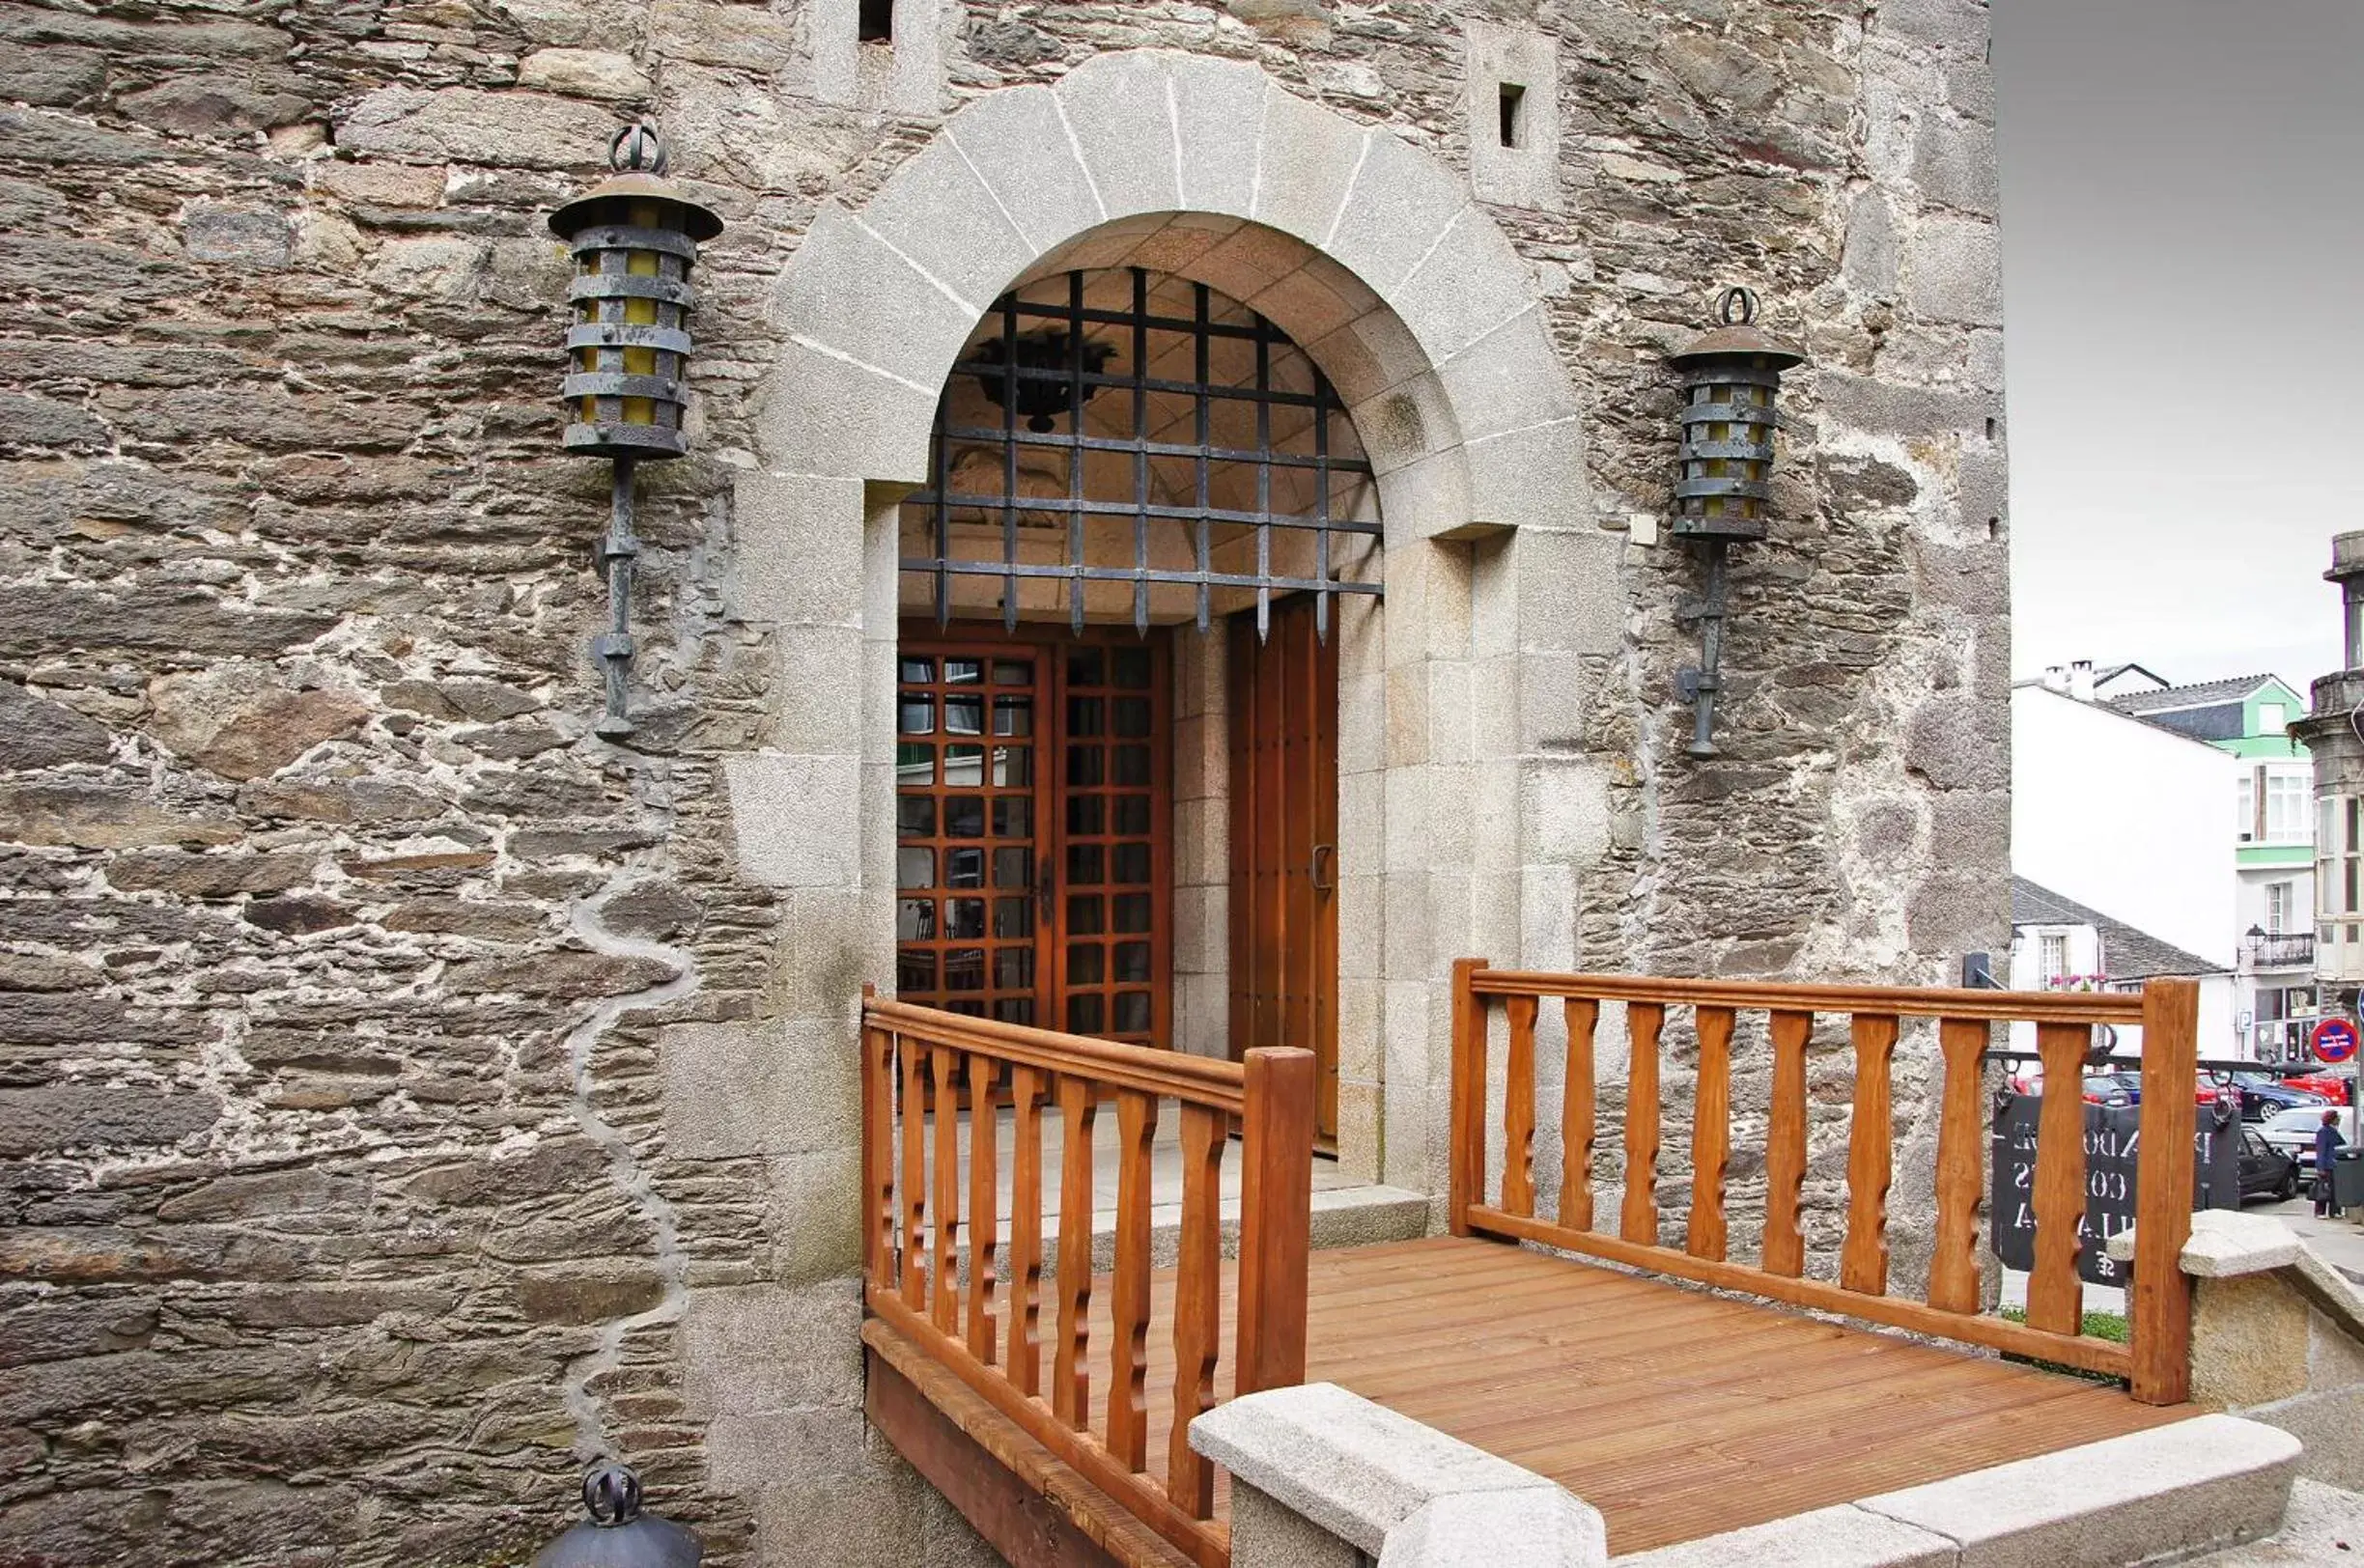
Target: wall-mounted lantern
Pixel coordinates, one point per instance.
(635, 238)
(1731, 385)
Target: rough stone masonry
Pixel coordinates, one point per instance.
(355, 1190)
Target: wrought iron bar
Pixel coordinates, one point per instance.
(1057, 370)
(615, 647)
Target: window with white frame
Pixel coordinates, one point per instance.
(2287, 793)
(2051, 958)
(2278, 910)
(2245, 822)
(2273, 718)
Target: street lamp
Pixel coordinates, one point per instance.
(635, 238)
(1724, 478)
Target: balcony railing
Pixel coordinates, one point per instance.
(2279, 952)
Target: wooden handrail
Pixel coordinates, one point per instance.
(1760, 996)
(918, 1065)
(2155, 1362)
(1201, 1080)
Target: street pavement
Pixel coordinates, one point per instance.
(2340, 1240)
(2325, 1526)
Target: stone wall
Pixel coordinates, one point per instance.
(403, 1093)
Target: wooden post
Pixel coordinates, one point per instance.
(1276, 1219)
(878, 1149)
(1465, 1161)
(2161, 1325)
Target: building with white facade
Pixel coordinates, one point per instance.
(2059, 944)
(2274, 835)
(2125, 820)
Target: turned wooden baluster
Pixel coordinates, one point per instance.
(946, 1296)
(1710, 1134)
(1640, 1219)
(1962, 1170)
(1518, 1109)
(1127, 1404)
(2056, 1296)
(984, 1221)
(1071, 1361)
(912, 1191)
(1576, 1129)
(1025, 1354)
(1863, 1265)
(1785, 1241)
(1197, 1327)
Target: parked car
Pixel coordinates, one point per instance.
(2293, 1131)
(2333, 1087)
(2263, 1094)
(2206, 1090)
(2265, 1171)
(2105, 1089)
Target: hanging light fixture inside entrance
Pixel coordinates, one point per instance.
(635, 238)
(1724, 480)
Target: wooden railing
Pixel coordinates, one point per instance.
(2154, 1361)
(920, 1067)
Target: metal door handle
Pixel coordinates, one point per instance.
(1323, 855)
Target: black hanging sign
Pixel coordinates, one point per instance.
(2113, 1138)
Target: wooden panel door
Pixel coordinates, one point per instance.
(1033, 813)
(1283, 724)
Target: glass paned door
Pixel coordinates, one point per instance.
(966, 858)
(1033, 853)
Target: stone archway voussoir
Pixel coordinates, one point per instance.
(1116, 107)
(1308, 161)
(827, 416)
(854, 295)
(1020, 146)
(939, 215)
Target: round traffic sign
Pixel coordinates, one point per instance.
(2334, 1040)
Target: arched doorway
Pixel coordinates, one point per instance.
(1148, 523)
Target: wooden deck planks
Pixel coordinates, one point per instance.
(1676, 1412)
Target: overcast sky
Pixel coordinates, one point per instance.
(2183, 236)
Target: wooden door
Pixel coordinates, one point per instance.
(1283, 724)
(1033, 848)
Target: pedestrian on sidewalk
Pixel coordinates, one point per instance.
(2326, 1139)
